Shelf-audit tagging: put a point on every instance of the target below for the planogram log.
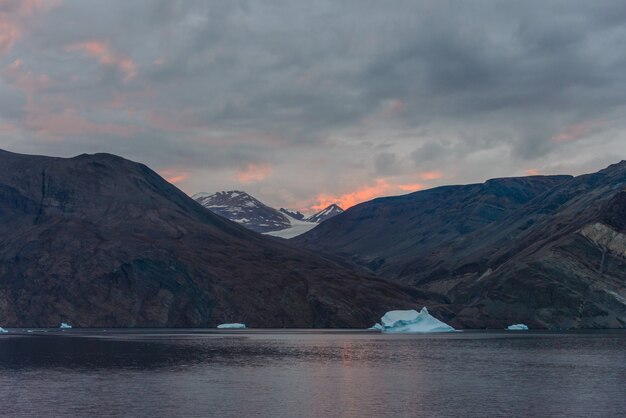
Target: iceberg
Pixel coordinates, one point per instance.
(411, 321)
(232, 326)
(65, 326)
(376, 327)
(3, 331)
(517, 327)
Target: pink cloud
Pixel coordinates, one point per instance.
(106, 57)
(430, 175)
(253, 173)
(531, 172)
(576, 131)
(174, 175)
(12, 14)
(54, 115)
(9, 32)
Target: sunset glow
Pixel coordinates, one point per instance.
(381, 187)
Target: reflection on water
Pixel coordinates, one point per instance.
(312, 373)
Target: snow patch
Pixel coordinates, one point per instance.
(411, 321)
(234, 325)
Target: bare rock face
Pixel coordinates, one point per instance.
(544, 251)
(606, 238)
(97, 240)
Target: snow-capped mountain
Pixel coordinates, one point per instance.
(295, 214)
(324, 214)
(247, 211)
(244, 209)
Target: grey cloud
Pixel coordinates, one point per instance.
(317, 88)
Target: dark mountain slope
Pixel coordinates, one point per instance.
(97, 240)
(386, 234)
(555, 260)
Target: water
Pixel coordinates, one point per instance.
(307, 373)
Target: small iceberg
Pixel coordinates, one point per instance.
(517, 327)
(411, 321)
(65, 326)
(232, 326)
(376, 327)
(3, 331)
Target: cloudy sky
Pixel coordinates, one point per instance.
(303, 103)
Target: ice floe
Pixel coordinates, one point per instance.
(232, 326)
(65, 325)
(411, 321)
(2, 330)
(517, 327)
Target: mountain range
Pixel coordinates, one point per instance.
(546, 250)
(240, 207)
(97, 240)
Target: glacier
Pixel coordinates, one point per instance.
(232, 326)
(411, 321)
(65, 326)
(517, 327)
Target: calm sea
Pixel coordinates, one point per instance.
(301, 373)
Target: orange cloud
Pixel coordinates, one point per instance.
(253, 173)
(531, 172)
(381, 187)
(576, 131)
(107, 57)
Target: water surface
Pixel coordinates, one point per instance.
(299, 373)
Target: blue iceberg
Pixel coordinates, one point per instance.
(517, 327)
(232, 326)
(3, 331)
(65, 326)
(411, 321)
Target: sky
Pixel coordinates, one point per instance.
(307, 103)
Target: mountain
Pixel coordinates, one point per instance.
(244, 209)
(387, 233)
(325, 214)
(548, 251)
(247, 211)
(297, 215)
(97, 240)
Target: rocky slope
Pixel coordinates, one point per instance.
(295, 214)
(548, 251)
(97, 240)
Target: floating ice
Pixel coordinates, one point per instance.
(65, 326)
(517, 327)
(411, 321)
(232, 326)
(2, 330)
(376, 327)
